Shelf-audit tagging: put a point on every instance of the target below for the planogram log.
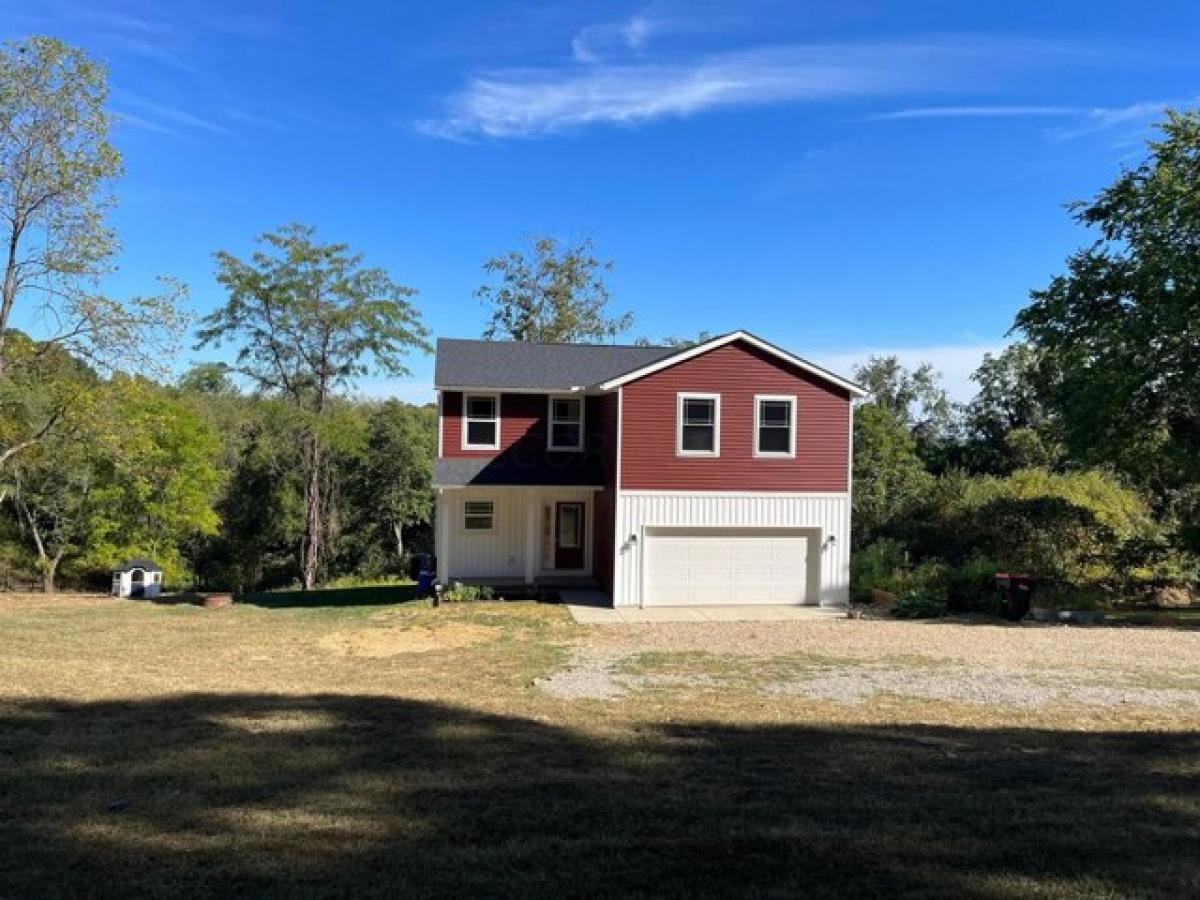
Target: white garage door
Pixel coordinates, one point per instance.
(691, 566)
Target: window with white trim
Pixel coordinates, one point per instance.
(566, 423)
(698, 425)
(775, 426)
(479, 515)
(481, 422)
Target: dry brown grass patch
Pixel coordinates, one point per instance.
(382, 642)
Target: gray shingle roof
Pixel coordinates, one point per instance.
(573, 469)
(513, 364)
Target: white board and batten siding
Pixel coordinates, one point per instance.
(498, 553)
(516, 545)
(697, 547)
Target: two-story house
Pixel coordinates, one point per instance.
(715, 474)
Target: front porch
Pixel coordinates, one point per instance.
(547, 538)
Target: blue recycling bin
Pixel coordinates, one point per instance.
(425, 582)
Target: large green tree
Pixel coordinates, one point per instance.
(915, 398)
(1119, 331)
(890, 480)
(57, 168)
(136, 477)
(393, 486)
(310, 319)
(551, 292)
(1007, 425)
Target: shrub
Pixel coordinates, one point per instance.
(879, 566)
(930, 577)
(924, 592)
(919, 604)
(468, 593)
(971, 586)
(1068, 527)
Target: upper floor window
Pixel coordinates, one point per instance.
(566, 423)
(481, 422)
(775, 426)
(698, 428)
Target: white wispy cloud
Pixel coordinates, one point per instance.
(536, 102)
(1131, 122)
(978, 112)
(595, 41)
(141, 123)
(174, 115)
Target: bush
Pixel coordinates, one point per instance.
(1067, 527)
(924, 592)
(879, 566)
(469, 593)
(919, 604)
(930, 577)
(971, 587)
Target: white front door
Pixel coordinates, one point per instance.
(729, 566)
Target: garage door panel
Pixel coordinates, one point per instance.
(727, 566)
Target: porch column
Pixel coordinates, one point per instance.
(441, 541)
(533, 542)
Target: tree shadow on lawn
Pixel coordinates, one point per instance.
(219, 795)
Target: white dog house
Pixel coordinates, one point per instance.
(137, 578)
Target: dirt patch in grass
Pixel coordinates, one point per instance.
(381, 642)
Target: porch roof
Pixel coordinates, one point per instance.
(579, 470)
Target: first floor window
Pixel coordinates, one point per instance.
(479, 515)
(699, 425)
(481, 422)
(774, 426)
(566, 423)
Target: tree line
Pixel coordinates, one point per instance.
(1078, 460)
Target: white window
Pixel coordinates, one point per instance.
(775, 426)
(698, 425)
(566, 423)
(481, 422)
(479, 515)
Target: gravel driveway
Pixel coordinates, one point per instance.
(856, 662)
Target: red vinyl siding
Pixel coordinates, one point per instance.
(520, 414)
(737, 372)
(523, 428)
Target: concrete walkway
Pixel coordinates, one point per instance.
(587, 614)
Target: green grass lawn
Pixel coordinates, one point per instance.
(354, 751)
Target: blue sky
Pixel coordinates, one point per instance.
(841, 178)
